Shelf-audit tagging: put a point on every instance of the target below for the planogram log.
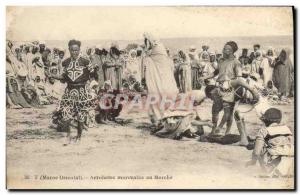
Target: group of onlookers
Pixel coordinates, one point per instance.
(26, 82)
(37, 75)
(122, 69)
(273, 70)
(27, 65)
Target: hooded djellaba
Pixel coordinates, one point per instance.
(159, 75)
(266, 66)
(282, 72)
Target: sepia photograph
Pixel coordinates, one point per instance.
(150, 97)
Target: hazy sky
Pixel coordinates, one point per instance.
(126, 23)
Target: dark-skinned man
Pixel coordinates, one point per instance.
(230, 66)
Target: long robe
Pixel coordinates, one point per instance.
(97, 62)
(266, 65)
(256, 63)
(195, 70)
(38, 67)
(29, 58)
(134, 68)
(14, 93)
(207, 69)
(159, 77)
(113, 71)
(185, 77)
(283, 71)
(281, 76)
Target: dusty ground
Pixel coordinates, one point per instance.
(34, 150)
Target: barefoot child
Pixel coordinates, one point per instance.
(274, 148)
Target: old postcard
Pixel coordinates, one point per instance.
(182, 97)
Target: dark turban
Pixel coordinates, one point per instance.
(273, 115)
(115, 50)
(74, 42)
(233, 45)
(256, 45)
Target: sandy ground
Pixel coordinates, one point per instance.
(116, 156)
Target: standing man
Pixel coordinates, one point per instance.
(230, 68)
(256, 47)
(244, 59)
(98, 64)
(61, 57)
(77, 99)
(195, 67)
(42, 47)
(159, 75)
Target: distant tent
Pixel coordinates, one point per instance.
(131, 46)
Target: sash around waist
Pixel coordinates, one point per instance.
(72, 85)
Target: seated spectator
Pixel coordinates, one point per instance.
(274, 145)
(41, 91)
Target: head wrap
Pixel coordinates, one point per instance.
(115, 44)
(263, 53)
(233, 45)
(192, 47)
(93, 83)
(182, 55)
(273, 115)
(270, 49)
(42, 43)
(193, 52)
(132, 51)
(35, 43)
(108, 83)
(202, 54)
(151, 38)
(212, 53)
(205, 47)
(256, 45)
(115, 49)
(245, 51)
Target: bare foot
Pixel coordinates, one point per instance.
(243, 143)
(67, 141)
(77, 139)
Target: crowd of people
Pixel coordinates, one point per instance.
(28, 85)
(37, 75)
(274, 71)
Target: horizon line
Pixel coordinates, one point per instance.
(237, 36)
